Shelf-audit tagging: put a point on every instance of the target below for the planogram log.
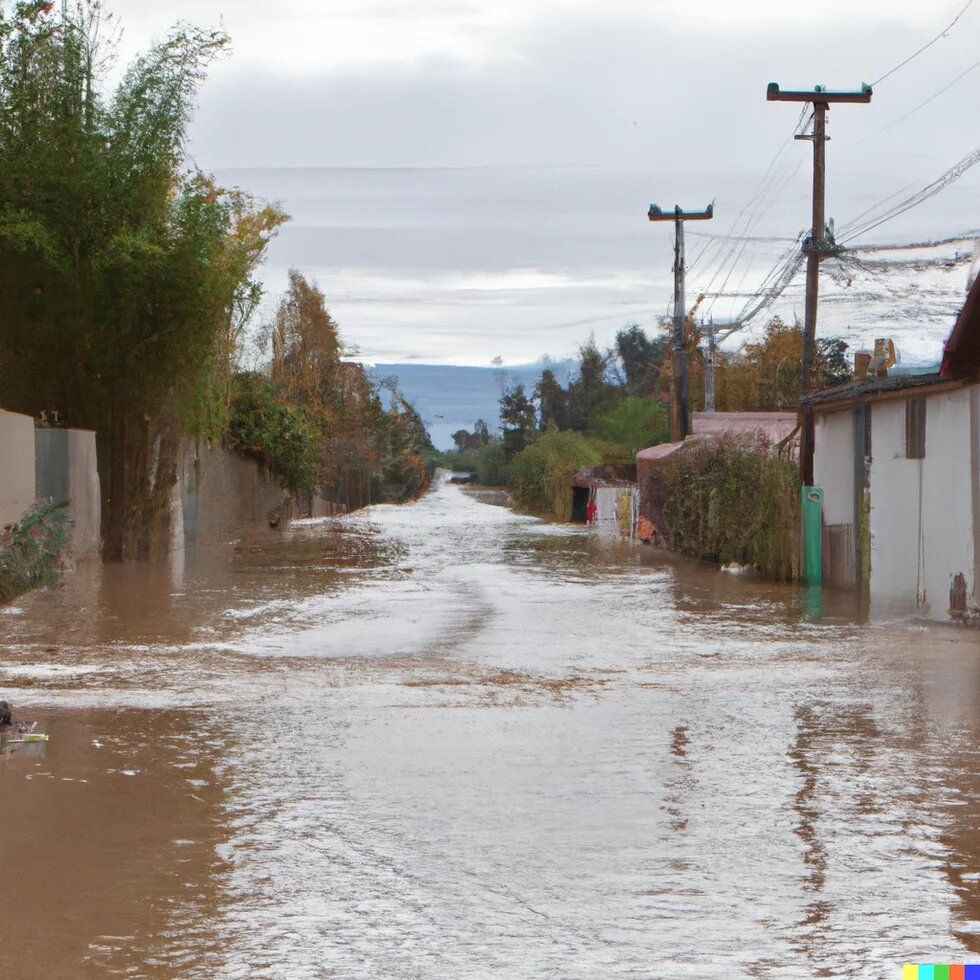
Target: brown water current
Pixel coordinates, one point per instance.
(447, 741)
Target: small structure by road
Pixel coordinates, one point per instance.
(606, 497)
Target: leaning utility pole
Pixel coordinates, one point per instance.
(816, 246)
(679, 415)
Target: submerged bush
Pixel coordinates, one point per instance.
(492, 467)
(727, 502)
(488, 463)
(29, 551)
(540, 476)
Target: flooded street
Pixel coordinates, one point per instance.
(447, 741)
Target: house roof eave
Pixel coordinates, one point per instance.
(882, 389)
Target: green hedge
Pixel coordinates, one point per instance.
(725, 502)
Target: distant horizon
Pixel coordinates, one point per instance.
(549, 364)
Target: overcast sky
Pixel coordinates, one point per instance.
(672, 89)
(453, 82)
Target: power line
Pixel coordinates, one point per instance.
(952, 240)
(712, 243)
(765, 184)
(779, 282)
(761, 202)
(786, 268)
(930, 190)
(925, 47)
(922, 105)
(784, 185)
(879, 204)
(770, 239)
(782, 273)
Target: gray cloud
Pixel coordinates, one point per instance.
(670, 116)
(586, 92)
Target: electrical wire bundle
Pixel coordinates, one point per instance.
(729, 250)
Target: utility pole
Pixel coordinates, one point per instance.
(716, 333)
(816, 246)
(679, 414)
(709, 369)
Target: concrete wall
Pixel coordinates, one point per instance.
(65, 468)
(922, 520)
(17, 487)
(84, 494)
(316, 505)
(220, 493)
(51, 465)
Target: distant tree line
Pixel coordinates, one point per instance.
(616, 402)
(317, 418)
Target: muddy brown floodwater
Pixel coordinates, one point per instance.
(447, 741)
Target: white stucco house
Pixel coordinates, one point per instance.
(898, 459)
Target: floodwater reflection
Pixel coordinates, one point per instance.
(445, 740)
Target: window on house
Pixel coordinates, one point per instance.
(915, 428)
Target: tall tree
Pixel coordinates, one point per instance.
(124, 276)
(552, 402)
(466, 440)
(640, 357)
(831, 368)
(365, 451)
(634, 423)
(518, 420)
(766, 374)
(591, 390)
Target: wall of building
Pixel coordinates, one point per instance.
(17, 486)
(922, 509)
(835, 471)
(947, 511)
(895, 511)
(66, 470)
(833, 465)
